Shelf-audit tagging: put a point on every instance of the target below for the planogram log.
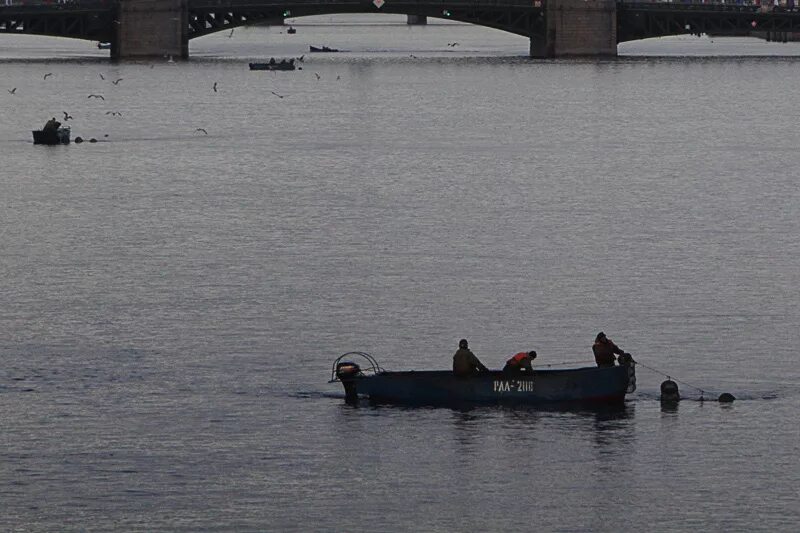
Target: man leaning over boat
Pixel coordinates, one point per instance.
(465, 363)
(604, 350)
(520, 363)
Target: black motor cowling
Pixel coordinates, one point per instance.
(347, 369)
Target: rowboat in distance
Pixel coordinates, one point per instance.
(587, 386)
(321, 49)
(273, 65)
(104, 46)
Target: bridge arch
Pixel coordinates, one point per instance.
(514, 16)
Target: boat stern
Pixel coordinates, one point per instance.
(347, 372)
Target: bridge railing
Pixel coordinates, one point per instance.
(763, 5)
(56, 4)
(244, 4)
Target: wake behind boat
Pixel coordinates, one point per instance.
(584, 386)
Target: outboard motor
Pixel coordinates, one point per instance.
(669, 391)
(346, 372)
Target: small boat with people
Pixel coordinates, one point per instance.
(104, 46)
(52, 133)
(283, 64)
(322, 49)
(584, 386)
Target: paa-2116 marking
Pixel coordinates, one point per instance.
(513, 385)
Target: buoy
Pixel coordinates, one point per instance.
(726, 397)
(669, 391)
(78, 140)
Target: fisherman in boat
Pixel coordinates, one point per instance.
(51, 125)
(464, 361)
(520, 364)
(604, 350)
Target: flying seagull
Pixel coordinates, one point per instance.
(317, 75)
(47, 75)
(101, 76)
(12, 91)
(100, 96)
(114, 113)
(116, 82)
(276, 94)
(201, 129)
(215, 87)
(67, 116)
(452, 44)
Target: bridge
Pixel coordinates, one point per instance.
(555, 28)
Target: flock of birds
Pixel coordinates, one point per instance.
(215, 87)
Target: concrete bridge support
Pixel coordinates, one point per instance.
(577, 28)
(150, 28)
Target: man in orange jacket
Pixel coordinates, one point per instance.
(520, 363)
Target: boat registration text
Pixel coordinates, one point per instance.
(513, 385)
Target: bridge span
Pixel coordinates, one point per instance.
(555, 28)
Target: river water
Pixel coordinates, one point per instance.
(172, 300)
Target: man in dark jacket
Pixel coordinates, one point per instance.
(464, 361)
(604, 350)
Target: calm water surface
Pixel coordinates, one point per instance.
(172, 301)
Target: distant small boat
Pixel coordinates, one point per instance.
(323, 49)
(280, 65)
(291, 30)
(104, 46)
(51, 137)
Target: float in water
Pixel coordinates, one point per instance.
(592, 386)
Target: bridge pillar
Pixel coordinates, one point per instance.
(417, 20)
(577, 28)
(149, 28)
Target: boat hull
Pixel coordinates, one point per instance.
(51, 137)
(272, 66)
(586, 386)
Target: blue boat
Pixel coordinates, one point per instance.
(588, 386)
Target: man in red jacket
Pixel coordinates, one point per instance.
(520, 363)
